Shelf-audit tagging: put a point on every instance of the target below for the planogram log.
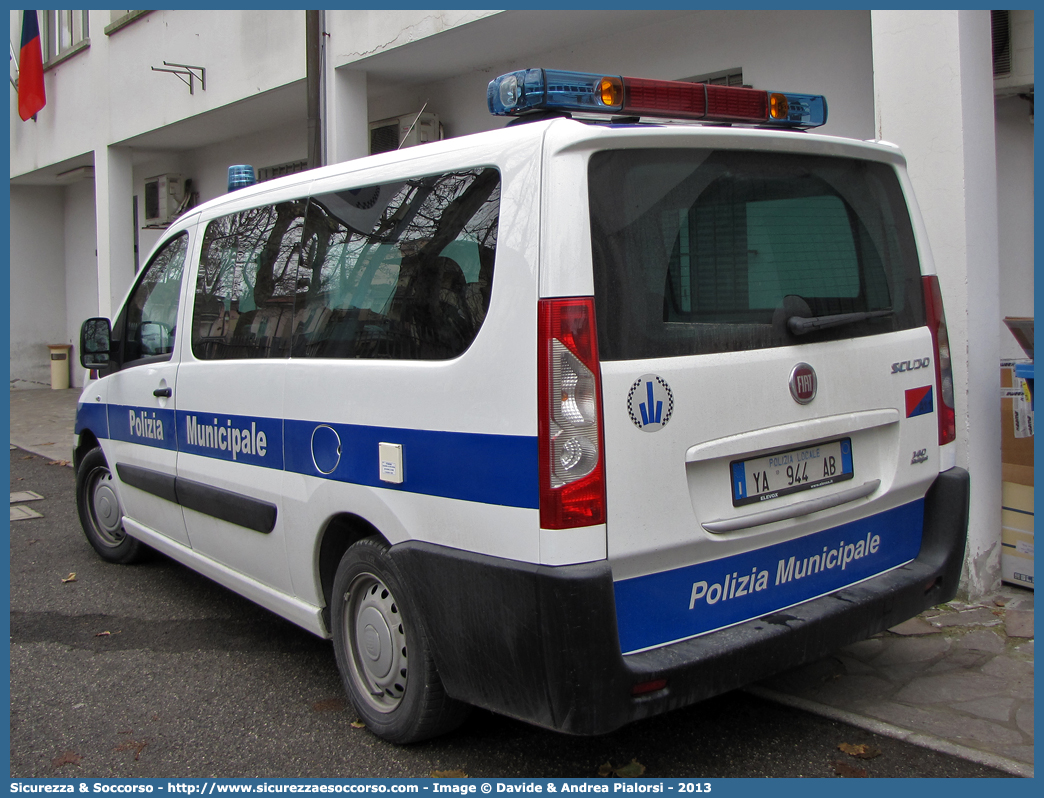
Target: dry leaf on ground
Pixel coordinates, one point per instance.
(847, 771)
(328, 705)
(70, 578)
(628, 771)
(68, 758)
(131, 745)
(632, 770)
(861, 751)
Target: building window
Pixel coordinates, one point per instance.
(121, 19)
(1001, 30)
(726, 77)
(64, 32)
(279, 170)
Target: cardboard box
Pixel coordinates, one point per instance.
(1016, 429)
(1017, 534)
(1017, 476)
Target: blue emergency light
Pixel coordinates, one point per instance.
(530, 90)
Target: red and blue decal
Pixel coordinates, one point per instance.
(919, 401)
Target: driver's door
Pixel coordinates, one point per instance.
(142, 446)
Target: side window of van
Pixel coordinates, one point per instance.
(147, 325)
(400, 270)
(244, 303)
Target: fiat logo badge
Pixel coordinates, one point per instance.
(803, 383)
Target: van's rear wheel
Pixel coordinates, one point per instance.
(382, 650)
(101, 515)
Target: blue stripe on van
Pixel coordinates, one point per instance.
(673, 605)
(92, 416)
(252, 440)
(148, 426)
(492, 469)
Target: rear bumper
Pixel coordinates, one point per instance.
(540, 643)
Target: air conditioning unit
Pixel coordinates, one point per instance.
(404, 131)
(163, 196)
(1013, 53)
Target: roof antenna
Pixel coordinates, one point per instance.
(415, 121)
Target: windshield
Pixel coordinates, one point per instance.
(699, 251)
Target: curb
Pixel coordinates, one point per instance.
(923, 739)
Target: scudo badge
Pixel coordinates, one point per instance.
(803, 383)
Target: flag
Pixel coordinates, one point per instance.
(31, 96)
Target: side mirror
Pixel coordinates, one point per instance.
(95, 343)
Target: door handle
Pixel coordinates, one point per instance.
(162, 392)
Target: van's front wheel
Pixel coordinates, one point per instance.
(101, 515)
(383, 653)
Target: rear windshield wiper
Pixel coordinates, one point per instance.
(800, 325)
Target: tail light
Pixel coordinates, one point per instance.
(943, 369)
(572, 467)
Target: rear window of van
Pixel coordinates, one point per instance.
(702, 251)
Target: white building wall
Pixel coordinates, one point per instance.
(65, 127)
(1015, 215)
(954, 170)
(109, 93)
(208, 167)
(37, 276)
(81, 266)
(357, 34)
(164, 163)
(834, 58)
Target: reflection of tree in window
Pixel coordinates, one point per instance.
(397, 289)
(152, 312)
(247, 280)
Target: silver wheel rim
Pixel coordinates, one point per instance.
(376, 638)
(104, 508)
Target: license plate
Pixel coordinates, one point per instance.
(763, 478)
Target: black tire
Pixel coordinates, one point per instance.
(101, 515)
(383, 653)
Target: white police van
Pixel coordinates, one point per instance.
(578, 422)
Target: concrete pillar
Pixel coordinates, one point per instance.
(933, 89)
(114, 195)
(347, 120)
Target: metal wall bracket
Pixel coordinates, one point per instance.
(186, 70)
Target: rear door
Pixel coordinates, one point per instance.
(230, 406)
(761, 444)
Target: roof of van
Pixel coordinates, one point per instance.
(563, 133)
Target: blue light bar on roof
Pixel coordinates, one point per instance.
(545, 89)
(530, 90)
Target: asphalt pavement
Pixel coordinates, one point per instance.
(153, 670)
